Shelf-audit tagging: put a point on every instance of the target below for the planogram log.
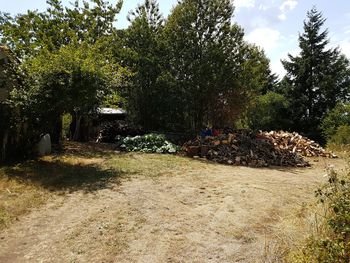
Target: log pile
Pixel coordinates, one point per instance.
(296, 143)
(243, 147)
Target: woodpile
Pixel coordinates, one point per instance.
(243, 147)
(296, 143)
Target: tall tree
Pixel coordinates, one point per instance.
(208, 62)
(76, 81)
(316, 79)
(143, 57)
(66, 54)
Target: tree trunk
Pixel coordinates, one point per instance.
(77, 128)
(57, 131)
(3, 146)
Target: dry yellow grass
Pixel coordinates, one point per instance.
(86, 167)
(108, 206)
(27, 185)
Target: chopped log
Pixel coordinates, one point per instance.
(243, 147)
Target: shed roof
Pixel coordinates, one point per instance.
(110, 111)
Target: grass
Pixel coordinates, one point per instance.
(341, 150)
(30, 184)
(80, 167)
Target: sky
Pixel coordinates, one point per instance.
(273, 25)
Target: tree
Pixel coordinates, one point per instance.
(143, 57)
(268, 112)
(76, 81)
(26, 34)
(207, 63)
(10, 78)
(339, 116)
(66, 54)
(317, 79)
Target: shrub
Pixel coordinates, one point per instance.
(268, 112)
(337, 117)
(149, 143)
(342, 135)
(333, 243)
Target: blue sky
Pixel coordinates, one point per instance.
(272, 24)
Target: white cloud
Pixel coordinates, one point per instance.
(345, 47)
(343, 44)
(277, 67)
(282, 17)
(264, 37)
(244, 4)
(286, 6)
(263, 7)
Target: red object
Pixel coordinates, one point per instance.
(216, 132)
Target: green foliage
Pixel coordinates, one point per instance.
(317, 79)
(26, 34)
(66, 121)
(76, 77)
(214, 71)
(268, 112)
(143, 56)
(334, 244)
(67, 65)
(149, 143)
(342, 136)
(337, 117)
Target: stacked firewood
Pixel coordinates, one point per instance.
(296, 143)
(243, 147)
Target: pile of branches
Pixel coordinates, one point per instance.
(243, 147)
(109, 131)
(296, 143)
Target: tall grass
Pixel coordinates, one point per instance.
(329, 241)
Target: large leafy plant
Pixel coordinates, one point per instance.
(149, 143)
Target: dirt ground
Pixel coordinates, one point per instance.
(200, 213)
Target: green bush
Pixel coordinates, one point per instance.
(332, 245)
(269, 112)
(337, 117)
(66, 121)
(149, 143)
(342, 135)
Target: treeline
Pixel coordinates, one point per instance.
(313, 97)
(178, 73)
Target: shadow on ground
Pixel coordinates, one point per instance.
(88, 150)
(56, 175)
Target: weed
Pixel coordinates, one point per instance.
(331, 240)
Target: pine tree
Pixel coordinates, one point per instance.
(316, 79)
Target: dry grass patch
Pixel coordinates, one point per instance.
(18, 197)
(80, 167)
(30, 184)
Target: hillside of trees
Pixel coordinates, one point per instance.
(179, 73)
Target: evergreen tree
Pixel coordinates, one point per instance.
(316, 79)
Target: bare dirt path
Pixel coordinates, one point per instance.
(212, 214)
